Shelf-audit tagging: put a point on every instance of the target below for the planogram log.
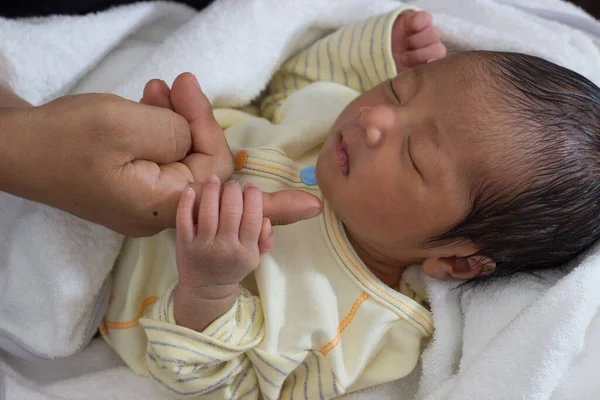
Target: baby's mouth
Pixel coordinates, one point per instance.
(343, 161)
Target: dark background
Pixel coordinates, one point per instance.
(35, 8)
(21, 8)
(592, 6)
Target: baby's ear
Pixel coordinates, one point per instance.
(454, 267)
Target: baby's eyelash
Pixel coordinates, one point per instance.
(393, 91)
(412, 161)
(408, 152)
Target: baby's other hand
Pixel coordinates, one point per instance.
(415, 40)
(216, 252)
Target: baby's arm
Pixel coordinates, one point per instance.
(360, 56)
(223, 362)
(200, 332)
(216, 250)
(203, 334)
(186, 363)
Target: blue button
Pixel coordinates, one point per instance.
(308, 176)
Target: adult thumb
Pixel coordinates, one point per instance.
(290, 206)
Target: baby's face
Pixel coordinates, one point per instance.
(400, 161)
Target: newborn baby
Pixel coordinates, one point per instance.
(474, 166)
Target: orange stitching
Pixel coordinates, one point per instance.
(240, 160)
(427, 321)
(103, 329)
(274, 168)
(134, 322)
(344, 324)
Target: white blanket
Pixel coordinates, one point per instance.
(518, 339)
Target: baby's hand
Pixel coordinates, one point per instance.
(415, 40)
(216, 254)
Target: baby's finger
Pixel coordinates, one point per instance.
(185, 216)
(266, 241)
(157, 93)
(208, 210)
(417, 21)
(253, 216)
(426, 37)
(232, 204)
(424, 55)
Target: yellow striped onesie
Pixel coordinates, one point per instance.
(312, 322)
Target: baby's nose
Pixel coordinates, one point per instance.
(376, 122)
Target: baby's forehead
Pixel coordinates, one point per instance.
(465, 101)
(457, 74)
(458, 85)
(466, 62)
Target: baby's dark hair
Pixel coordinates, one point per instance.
(552, 213)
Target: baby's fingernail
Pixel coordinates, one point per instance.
(212, 179)
(269, 226)
(311, 213)
(189, 192)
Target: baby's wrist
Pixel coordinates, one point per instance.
(206, 292)
(198, 307)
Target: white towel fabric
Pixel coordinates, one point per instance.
(54, 266)
(53, 278)
(528, 338)
(517, 339)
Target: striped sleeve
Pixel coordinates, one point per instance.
(358, 56)
(224, 362)
(187, 364)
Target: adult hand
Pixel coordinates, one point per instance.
(113, 161)
(186, 98)
(107, 159)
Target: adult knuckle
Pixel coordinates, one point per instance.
(106, 107)
(175, 124)
(107, 120)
